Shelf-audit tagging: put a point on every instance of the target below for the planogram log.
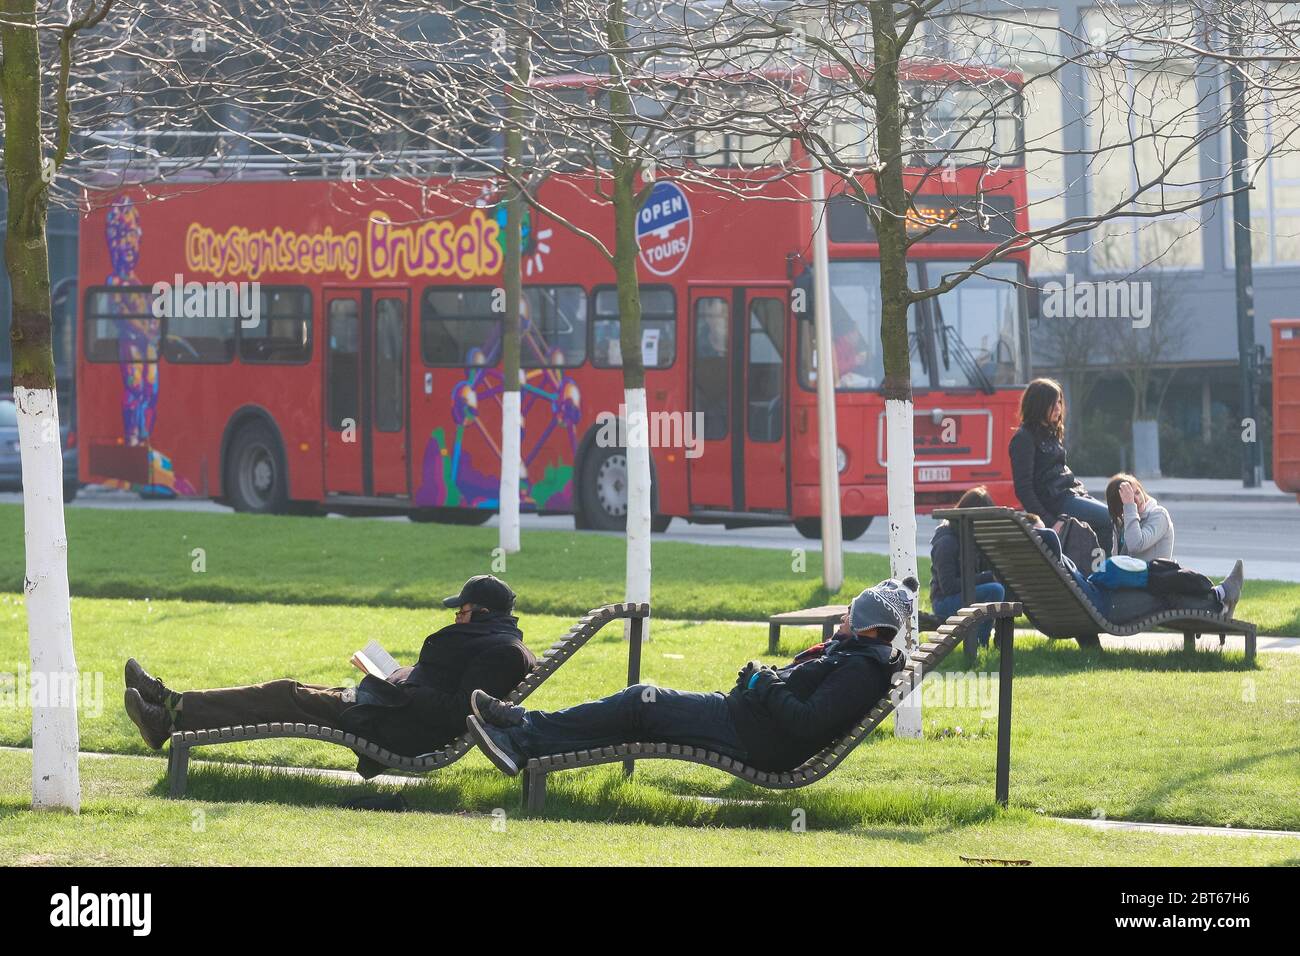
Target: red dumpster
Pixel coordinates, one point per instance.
(1286, 404)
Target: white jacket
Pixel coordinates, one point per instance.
(1149, 535)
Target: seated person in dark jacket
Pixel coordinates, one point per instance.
(1043, 481)
(415, 711)
(945, 568)
(772, 719)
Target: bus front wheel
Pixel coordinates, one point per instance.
(255, 472)
(851, 528)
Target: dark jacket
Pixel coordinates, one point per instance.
(1042, 478)
(421, 708)
(796, 711)
(945, 563)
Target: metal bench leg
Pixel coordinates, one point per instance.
(1250, 646)
(828, 631)
(1006, 635)
(178, 765)
(534, 790)
(1189, 642)
(773, 636)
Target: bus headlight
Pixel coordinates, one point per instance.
(841, 459)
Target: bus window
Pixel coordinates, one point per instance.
(390, 367)
(978, 326)
(344, 365)
(112, 314)
(658, 312)
(558, 315)
(458, 327)
(712, 366)
(194, 339)
(764, 416)
(284, 333)
(855, 331)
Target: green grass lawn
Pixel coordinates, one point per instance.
(1139, 736)
(247, 558)
(124, 821)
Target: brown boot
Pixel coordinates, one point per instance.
(152, 721)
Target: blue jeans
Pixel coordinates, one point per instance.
(641, 713)
(950, 604)
(1097, 596)
(1092, 512)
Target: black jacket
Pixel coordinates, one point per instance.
(945, 563)
(796, 711)
(421, 708)
(1041, 476)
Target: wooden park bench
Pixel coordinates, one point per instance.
(926, 657)
(1052, 599)
(182, 742)
(827, 616)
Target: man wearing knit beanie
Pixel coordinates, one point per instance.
(772, 719)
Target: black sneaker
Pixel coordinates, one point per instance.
(150, 719)
(495, 745)
(498, 713)
(151, 689)
(1232, 589)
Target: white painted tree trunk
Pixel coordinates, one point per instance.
(56, 783)
(508, 508)
(901, 483)
(638, 502)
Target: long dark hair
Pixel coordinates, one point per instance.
(1041, 396)
(1114, 504)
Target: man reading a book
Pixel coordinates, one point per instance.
(414, 710)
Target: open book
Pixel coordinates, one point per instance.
(374, 660)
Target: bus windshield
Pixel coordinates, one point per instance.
(977, 326)
(968, 337)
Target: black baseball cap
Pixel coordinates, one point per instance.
(484, 590)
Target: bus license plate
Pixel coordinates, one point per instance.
(934, 474)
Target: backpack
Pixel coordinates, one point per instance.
(1168, 577)
(1079, 543)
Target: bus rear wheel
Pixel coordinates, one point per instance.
(604, 489)
(460, 516)
(851, 528)
(255, 473)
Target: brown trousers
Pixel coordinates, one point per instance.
(277, 701)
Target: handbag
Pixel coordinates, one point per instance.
(1169, 577)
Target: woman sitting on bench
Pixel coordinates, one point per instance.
(772, 719)
(1123, 604)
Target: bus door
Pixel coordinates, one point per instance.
(367, 356)
(737, 354)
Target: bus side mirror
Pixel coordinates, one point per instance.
(1033, 300)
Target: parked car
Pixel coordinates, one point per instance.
(11, 472)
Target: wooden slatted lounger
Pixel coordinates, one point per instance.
(920, 662)
(1052, 599)
(182, 742)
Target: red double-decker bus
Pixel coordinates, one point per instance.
(363, 373)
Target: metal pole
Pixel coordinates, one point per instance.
(1251, 465)
(827, 439)
(1006, 633)
(633, 670)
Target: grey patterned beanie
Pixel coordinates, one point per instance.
(888, 606)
